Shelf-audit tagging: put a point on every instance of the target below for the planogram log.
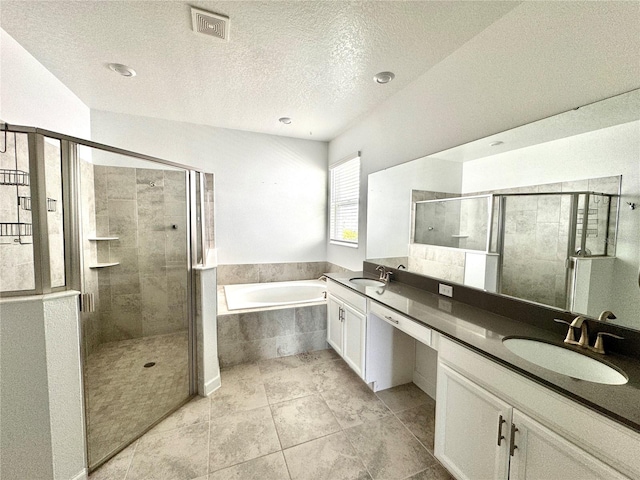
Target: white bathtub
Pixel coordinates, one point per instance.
(255, 295)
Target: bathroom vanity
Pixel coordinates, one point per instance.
(497, 415)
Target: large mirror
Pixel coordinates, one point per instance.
(553, 206)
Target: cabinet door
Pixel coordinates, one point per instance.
(354, 339)
(544, 455)
(469, 421)
(334, 323)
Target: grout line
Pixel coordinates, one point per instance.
(135, 448)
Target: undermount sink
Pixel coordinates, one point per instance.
(564, 361)
(367, 282)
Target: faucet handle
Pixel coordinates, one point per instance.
(598, 347)
(570, 338)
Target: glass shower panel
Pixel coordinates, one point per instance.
(16, 228)
(136, 263)
(456, 223)
(55, 221)
(536, 232)
(597, 233)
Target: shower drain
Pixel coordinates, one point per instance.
(149, 365)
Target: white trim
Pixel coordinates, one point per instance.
(345, 159)
(212, 385)
(423, 384)
(83, 475)
(343, 244)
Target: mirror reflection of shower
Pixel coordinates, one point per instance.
(553, 248)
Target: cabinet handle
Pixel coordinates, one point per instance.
(500, 436)
(513, 446)
(341, 314)
(392, 320)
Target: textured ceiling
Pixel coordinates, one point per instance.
(310, 60)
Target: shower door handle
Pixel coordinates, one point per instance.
(87, 303)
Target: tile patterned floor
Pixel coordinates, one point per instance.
(122, 394)
(303, 417)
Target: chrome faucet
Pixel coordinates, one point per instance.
(606, 315)
(384, 274)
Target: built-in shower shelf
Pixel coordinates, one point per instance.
(460, 236)
(101, 239)
(104, 265)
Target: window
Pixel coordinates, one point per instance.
(344, 194)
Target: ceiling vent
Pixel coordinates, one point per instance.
(211, 24)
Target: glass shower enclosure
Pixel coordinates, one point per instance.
(550, 248)
(125, 230)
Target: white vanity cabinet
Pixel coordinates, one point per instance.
(483, 434)
(347, 325)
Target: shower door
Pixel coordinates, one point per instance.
(136, 281)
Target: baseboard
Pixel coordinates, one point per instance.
(423, 384)
(211, 386)
(83, 475)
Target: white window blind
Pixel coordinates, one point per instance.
(345, 194)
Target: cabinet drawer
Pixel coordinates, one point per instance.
(354, 299)
(408, 326)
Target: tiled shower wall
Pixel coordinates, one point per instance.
(536, 233)
(146, 293)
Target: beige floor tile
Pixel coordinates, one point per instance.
(179, 454)
(196, 411)
(244, 371)
(117, 467)
(276, 365)
(269, 467)
(388, 450)
(318, 356)
(303, 419)
(122, 396)
(403, 397)
(289, 384)
(434, 472)
(327, 458)
(237, 396)
(353, 404)
(420, 421)
(334, 374)
(240, 437)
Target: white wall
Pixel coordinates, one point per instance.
(540, 59)
(602, 153)
(271, 191)
(42, 433)
(31, 95)
(389, 198)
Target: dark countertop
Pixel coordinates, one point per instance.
(483, 332)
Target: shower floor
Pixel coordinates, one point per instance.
(123, 397)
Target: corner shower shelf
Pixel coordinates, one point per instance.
(101, 239)
(460, 236)
(15, 230)
(25, 203)
(104, 265)
(13, 177)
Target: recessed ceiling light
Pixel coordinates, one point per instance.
(285, 120)
(122, 69)
(383, 77)
(496, 143)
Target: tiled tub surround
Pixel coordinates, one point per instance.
(274, 272)
(147, 293)
(269, 333)
(482, 331)
(303, 417)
